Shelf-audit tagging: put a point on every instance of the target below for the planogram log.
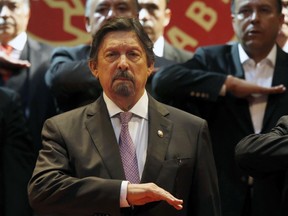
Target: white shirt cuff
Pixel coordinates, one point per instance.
(123, 194)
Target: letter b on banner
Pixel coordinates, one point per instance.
(201, 14)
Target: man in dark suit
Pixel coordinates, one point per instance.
(79, 170)
(155, 15)
(17, 156)
(23, 65)
(265, 155)
(197, 85)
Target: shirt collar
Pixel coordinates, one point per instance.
(271, 57)
(19, 41)
(285, 47)
(140, 108)
(158, 46)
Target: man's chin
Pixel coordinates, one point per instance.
(124, 89)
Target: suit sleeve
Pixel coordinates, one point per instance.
(56, 188)
(194, 78)
(263, 154)
(71, 80)
(205, 192)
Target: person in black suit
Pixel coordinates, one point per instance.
(79, 170)
(282, 38)
(17, 156)
(197, 85)
(69, 76)
(155, 15)
(265, 155)
(23, 63)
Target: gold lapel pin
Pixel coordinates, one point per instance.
(160, 133)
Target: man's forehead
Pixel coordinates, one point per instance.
(12, 1)
(120, 38)
(111, 2)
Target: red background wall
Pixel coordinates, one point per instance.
(194, 22)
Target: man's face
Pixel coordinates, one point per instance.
(154, 16)
(284, 29)
(103, 10)
(122, 67)
(14, 17)
(257, 24)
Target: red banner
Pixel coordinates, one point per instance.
(194, 23)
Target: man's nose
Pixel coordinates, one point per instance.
(254, 15)
(143, 14)
(111, 14)
(123, 64)
(4, 11)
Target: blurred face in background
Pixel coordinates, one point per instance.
(284, 29)
(154, 16)
(99, 11)
(14, 18)
(257, 24)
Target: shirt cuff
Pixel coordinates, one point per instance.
(123, 194)
(223, 90)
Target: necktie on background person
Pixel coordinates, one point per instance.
(7, 50)
(128, 150)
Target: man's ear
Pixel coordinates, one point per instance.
(87, 24)
(93, 67)
(150, 69)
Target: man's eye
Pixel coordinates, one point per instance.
(111, 56)
(133, 55)
(122, 8)
(101, 10)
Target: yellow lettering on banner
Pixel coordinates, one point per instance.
(180, 39)
(201, 14)
(226, 1)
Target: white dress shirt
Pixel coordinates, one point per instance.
(138, 128)
(158, 47)
(260, 74)
(285, 47)
(18, 44)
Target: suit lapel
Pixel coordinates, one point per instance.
(239, 107)
(18, 81)
(279, 77)
(101, 131)
(234, 56)
(157, 144)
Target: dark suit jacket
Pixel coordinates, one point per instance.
(71, 80)
(36, 98)
(262, 155)
(79, 170)
(17, 157)
(175, 54)
(196, 90)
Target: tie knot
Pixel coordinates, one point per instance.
(125, 117)
(6, 48)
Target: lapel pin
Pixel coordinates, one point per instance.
(160, 133)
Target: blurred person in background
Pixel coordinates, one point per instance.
(17, 156)
(282, 38)
(155, 15)
(23, 63)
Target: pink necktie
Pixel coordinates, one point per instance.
(127, 150)
(8, 50)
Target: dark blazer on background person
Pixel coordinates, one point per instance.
(17, 156)
(229, 120)
(71, 80)
(175, 54)
(36, 98)
(94, 170)
(262, 155)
